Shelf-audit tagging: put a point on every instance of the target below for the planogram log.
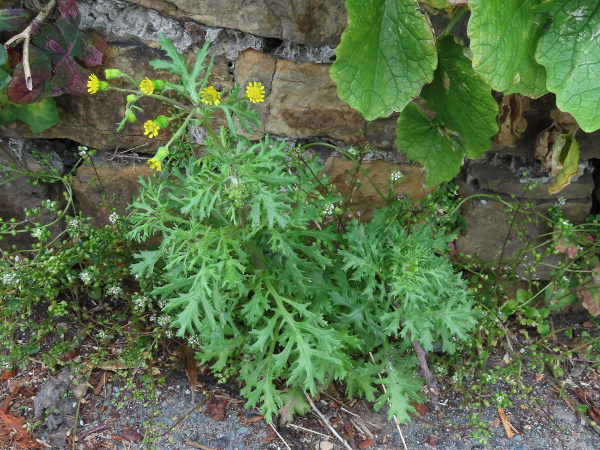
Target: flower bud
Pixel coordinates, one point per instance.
(112, 73)
(159, 85)
(162, 122)
(131, 98)
(131, 116)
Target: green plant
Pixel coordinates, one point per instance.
(389, 55)
(54, 60)
(257, 274)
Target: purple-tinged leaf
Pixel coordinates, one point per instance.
(40, 65)
(68, 9)
(14, 19)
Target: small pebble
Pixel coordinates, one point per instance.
(325, 445)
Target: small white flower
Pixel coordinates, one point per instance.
(139, 302)
(9, 278)
(114, 291)
(113, 217)
(162, 320)
(396, 175)
(73, 223)
(37, 233)
(328, 210)
(194, 340)
(101, 334)
(51, 205)
(85, 276)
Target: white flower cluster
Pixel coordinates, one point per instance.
(51, 205)
(85, 276)
(328, 210)
(139, 302)
(113, 218)
(160, 320)
(37, 232)
(194, 341)
(10, 278)
(114, 291)
(396, 175)
(74, 223)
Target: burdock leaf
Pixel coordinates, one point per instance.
(386, 55)
(570, 52)
(504, 37)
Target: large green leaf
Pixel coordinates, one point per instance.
(425, 141)
(464, 121)
(504, 35)
(570, 51)
(462, 101)
(39, 116)
(386, 55)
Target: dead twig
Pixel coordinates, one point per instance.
(327, 424)
(279, 436)
(25, 36)
(308, 430)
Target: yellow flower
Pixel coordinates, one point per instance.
(155, 164)
(255, 92)
(93, 84)
(151, 129)
(147, 86)
(210, 96)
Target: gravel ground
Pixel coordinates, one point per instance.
(113, 420)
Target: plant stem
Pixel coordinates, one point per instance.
(451, 24)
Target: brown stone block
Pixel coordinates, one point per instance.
(304, 103)
(109, 184)
(365, 199)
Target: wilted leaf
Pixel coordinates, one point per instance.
(590, 298)
(294, 402)
(386, 55)
(132, 435)
(568, 160)
(511, 122)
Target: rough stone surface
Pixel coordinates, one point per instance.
(309, 22)
(107, 184)
(489, 228)
(304, 103)
(365, 199)
(503, 174)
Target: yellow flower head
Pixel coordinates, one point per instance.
(147, 86)
(151, 128)
(156, 162)
(210, 96)
(93, 84)
(255, 92)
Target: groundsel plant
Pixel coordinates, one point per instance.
(201, 99)
(255, 274)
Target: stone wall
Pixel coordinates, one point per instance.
(288, 45)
